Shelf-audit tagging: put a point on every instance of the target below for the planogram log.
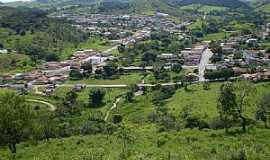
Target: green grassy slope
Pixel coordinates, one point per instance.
(146, 142)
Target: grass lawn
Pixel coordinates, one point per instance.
(14, 63)
(97, 44)
(208, 9)
(242, 26)
(265, 45)
(196, 25)
(206, 100)
(216, 36)
(265, 8)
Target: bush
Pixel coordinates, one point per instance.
(239, 155)
(193, 118)
(117, 119)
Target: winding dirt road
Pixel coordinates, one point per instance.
(51, 106)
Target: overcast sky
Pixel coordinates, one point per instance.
(12, 0)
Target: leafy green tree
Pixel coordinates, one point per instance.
(87, 69)
(1, 45)
(226, 104)
(70, 100)
(45, 128)
(125, 134)
(149, 57)
(96, 97)
(263, 111)
(75, 75)
(129, 96)
(110, 69)
(121, 48)
(243, 90)
(176, 68)
(15, 121)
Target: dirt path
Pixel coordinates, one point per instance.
(112, 108)
(51, 106)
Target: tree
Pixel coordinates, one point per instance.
(1, 45)
(75, 75)
(15, 121)
(109, 70)
(130, 94)
(244, 90)
(149, 57)
(176, 68)
(226, 104)
(70, 100)
(121, 48)
(263, 112)
(87, 69)
(125, 134)
(96, 97)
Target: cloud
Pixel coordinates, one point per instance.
(12, 0)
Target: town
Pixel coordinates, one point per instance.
(135, 80)
(204, 61)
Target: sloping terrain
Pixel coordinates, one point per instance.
(129, 6)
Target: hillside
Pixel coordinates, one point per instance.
(224, 3)
(265, 7)
(128, 6)
(31, 32)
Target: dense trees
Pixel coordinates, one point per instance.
(15, 121)
(37, 35)
(96, 97)
(263, 112)
(75, 75)
(223, 73)
(87, 69)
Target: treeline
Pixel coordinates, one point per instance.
(224, 3)
(37, 35)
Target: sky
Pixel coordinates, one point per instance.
(12, 0)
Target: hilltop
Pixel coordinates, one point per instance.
(127, 6)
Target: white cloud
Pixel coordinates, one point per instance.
(13, 0)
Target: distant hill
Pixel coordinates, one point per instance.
(129, 6)
(224, 3)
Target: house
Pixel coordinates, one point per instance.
(260, 76)
(167, 56)
(252, 41)
(96, 59)
(159, 14)
(79, 87)
(3, 51)
(41, 80)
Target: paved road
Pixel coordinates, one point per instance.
(125, 43)
(207, 54)
(51, 106)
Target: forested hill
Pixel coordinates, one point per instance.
(130, 5)
(30, 31)
(224, 3)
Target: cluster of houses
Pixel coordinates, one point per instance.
(116, 27)
(58, 72)
(192, 56)
(251, 63)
